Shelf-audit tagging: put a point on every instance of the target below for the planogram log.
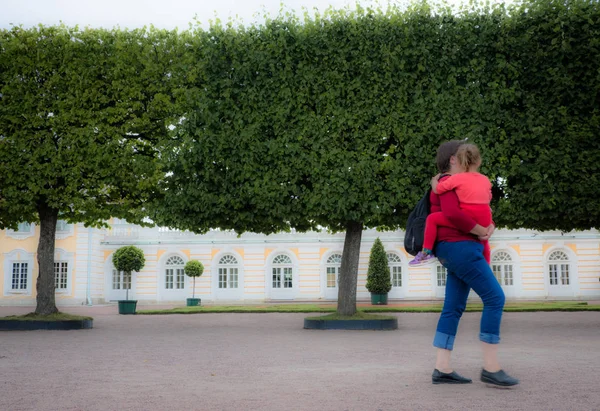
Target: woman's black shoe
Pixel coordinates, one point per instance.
(498, 379)
(439, 377)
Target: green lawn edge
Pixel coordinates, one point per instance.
(51, 317)
(314, 308)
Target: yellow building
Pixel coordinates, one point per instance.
(285, 266)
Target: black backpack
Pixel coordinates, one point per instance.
(415, 226)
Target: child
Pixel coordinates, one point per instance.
(474, 191)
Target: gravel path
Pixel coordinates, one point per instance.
(268, 362)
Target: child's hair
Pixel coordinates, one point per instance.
(468, 156)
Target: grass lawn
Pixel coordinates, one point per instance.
(52, 317)
(330, 308)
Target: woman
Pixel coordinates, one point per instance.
(461, 252)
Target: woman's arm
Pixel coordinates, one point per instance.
(447, 184)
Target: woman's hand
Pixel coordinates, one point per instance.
(489, 231)
(434, 183)
(483, 233)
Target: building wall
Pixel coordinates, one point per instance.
(89, 256)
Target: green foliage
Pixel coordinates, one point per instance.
(128, 259)
(82, 113)
(378, 275)
(543, 134)
(337, 118)
(194, 268)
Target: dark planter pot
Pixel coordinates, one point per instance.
(127, 306)
(379, 299)
(192, 302)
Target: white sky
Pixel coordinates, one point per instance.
(162, 13)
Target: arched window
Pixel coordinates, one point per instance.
(333, 265)
(228, 272)
(441, 274)
(395, 264)
(502, 267)
(558, 268)
(174, 273)
(282, 272)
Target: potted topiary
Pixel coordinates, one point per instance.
(193, 268)
(378, 276)
(128, 259)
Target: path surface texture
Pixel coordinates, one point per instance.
(268, 362)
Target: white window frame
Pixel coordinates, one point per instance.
(22, 270)
(397, 262)
(277, 262)
(331, 265)
(326, 266)
(569, 266)
(227, 293)
(229, 266)
(441, 275)
(396, 265)
(21, 233)
(279, 270)
(177, 274)
(67, 230)
(124, 280)
(503, 267)
(63, 269)
(560, 267)
(18, 256)
(63, 256)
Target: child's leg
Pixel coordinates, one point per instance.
(434, 220)
(487, 252)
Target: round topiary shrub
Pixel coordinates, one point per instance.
(128, 259)
(193, 268)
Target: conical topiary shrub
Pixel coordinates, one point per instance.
(378, 276)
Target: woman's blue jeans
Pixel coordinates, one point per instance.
(468, 269)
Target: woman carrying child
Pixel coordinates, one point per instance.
(474, 192)
(459, 248)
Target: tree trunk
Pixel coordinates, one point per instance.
(349, 270)
(45, 286)
(194, 289)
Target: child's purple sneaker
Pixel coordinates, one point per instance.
(421, 259)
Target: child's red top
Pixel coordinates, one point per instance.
(463, 222)
(474, 192)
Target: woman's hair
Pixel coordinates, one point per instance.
(444, 152)
(468, 156)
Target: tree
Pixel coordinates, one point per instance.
(378, 275)
(193, 268)
(320, 123)
(81, 116)
(128, 259)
